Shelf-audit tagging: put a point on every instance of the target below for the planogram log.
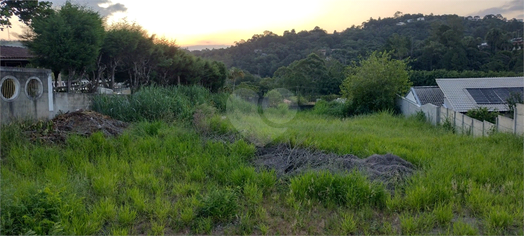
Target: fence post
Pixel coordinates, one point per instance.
(462, 126)
(483, 128)
(515, 116)
(437, 119)
(455, 119)
(472, 127)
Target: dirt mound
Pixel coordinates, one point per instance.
(287, 162)
(80, 122)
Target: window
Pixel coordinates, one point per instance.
(34, 88)
(9, 88)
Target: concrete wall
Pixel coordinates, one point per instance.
(409, 108)
(505, 124)
(26, 103)
(464, 124)
(33, 95)
(64, 102)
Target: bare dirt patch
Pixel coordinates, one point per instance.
(287, 162)
(81, 122)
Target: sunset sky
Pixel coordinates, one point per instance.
(215, 22)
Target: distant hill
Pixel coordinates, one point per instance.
(432, 42)
(204, 47)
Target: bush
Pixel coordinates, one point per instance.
(483, 114)
(333, 108)
(374, 84)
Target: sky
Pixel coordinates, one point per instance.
(222, 22)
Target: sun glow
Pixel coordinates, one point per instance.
(215, 22)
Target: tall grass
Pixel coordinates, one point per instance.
(158, 103)
(159, 177)
(352, 189)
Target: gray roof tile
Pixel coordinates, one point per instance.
(459, 98)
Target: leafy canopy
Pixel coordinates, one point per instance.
(374, 84)
(69, 39)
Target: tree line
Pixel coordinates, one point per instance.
(74, 41)
(431, 42)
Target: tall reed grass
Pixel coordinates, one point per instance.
(158, 103)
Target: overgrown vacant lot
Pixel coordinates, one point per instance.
(167, 178)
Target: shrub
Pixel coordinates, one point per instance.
(274, 97)
(38, 213)
(483, 114)
(373, 85)
(333, 108)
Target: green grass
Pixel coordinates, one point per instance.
(164, 178)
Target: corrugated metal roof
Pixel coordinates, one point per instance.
(459, 98)
(428, 94)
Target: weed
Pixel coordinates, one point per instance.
(187, 215)
(264, 229)
(120, 231)
(126, 215)
(349, 225)
(462, 228)
(443, 213)
(408, 224)
(420, 116)
(202, 225)
(219, 205)
(352, 189)
(38, 213)
(106, 208)
(448, 125)
(498, 219)
(246, 225)
(157, 228)
(252, 193)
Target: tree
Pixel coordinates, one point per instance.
(26, 10)
(120, 41)
(67, 40)
(235, 73)
(375, 83)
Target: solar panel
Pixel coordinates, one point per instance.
(503, 93)
(478, 96)
(493, 95)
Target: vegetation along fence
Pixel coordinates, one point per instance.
(462, 123)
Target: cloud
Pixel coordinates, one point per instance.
(509, 10)
(108, 9)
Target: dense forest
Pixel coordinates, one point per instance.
(434, 45)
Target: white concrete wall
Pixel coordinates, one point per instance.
(68, 102)
(505, 124)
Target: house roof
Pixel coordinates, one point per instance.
(428, 94)
(9, 52)
(457, 94)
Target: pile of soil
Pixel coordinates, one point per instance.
(287, 162)
(80, 122)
